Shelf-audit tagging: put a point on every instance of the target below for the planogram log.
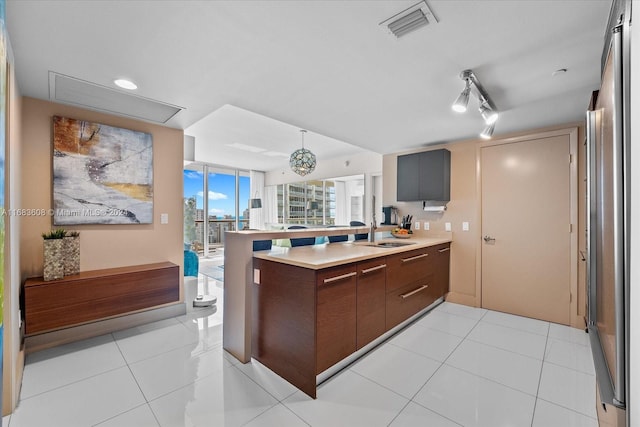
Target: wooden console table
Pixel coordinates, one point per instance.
(94, 295)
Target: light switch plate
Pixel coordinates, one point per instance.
(426, 226)
(164, 218)
(447, 226)
(417, 225)
(465, 226)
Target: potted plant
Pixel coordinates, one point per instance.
(71, 253)
(53, 247)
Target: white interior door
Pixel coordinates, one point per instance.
(526, 228)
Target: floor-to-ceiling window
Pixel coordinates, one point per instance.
(228, 194)
(335, 201)
(215, 201)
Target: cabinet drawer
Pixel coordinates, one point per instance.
(404, 302)
(407, 268)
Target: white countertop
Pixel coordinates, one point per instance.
(332, 254)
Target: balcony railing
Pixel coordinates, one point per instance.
(217, 227)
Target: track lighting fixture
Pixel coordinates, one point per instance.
(489, 116)
(460, 105)
(487, 132)
(486, 107)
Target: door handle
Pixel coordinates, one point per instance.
(489, 239)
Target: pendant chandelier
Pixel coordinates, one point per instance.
(302, 161)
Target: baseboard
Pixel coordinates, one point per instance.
(463, 299)
(101, 327)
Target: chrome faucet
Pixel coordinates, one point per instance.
(372, 229)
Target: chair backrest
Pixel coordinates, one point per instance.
(301, 241)
(361, 236)
(261, 245)
(334, 239)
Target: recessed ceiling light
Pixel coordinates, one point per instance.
(125, 84)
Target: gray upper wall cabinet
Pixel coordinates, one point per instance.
(424, 176)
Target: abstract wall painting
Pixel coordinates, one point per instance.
(101, 174)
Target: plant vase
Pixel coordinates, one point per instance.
(53, 262)
(71, 255)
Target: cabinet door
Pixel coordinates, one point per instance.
(408, 177)
(370, 312)
(335, 315)
(441, 256)
(434, 175)
(407, 268)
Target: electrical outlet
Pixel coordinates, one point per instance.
(426, 226)
(416, 225)
(164, 218)
(447, 226)
(465, 226)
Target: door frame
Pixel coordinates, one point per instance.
(575, 319)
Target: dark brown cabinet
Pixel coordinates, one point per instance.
(410, 285)
(404, 302)
(335, 315)
(305, 320)
(441, 260)
(407, 268)
(95, 295)
(371, 301)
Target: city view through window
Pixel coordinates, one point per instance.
(313, 203)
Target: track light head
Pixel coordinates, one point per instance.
(488, 114)
(460, 105)
(487, 132)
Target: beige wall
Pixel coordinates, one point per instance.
(465, 207)
(101, 246)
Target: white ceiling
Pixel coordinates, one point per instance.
(326, 66)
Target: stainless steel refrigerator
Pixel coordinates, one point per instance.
(608, 180)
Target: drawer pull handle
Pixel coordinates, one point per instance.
(414, 258)
(413, 292)
(443, 250)
(341, 277)
(378, 267)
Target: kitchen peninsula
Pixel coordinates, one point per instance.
(317, 308)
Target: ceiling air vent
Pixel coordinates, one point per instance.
(417, 16)
(69, 90)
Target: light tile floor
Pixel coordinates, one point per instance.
(456, 366)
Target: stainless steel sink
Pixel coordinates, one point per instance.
(390, 244)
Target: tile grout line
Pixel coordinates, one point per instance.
(260, 385)
(137, 383)
(121, 413)
(544, 355)
(489, 379)
(570, 409)
(72, 383)
(439, 367)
